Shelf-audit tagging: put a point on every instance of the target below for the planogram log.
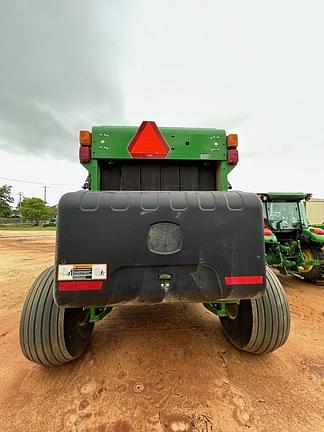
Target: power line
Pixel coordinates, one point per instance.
(34, 182)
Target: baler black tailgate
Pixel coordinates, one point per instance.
(160, 247)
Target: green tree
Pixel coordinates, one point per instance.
(52, 211)
(5, 200)
(34, 210)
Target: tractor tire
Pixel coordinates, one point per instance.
(50, 335)
(313, 273)
(262, 325)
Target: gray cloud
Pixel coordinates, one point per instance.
(59, 72)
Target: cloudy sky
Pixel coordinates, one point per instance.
(254, 67)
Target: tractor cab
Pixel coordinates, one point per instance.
(284, 214)
(291, 244)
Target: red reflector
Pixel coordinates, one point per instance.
(232, 156)
(148, 142)
(85, 285)
(267, 232)
(244, 280)
(85, 154)
(318, 231)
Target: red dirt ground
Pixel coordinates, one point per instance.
(158, 368)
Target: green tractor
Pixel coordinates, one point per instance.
(155, 224)
(291, 244)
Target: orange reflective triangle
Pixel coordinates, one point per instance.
(148, 142)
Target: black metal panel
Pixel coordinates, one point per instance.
(163, 175)
(150, 176)
(219, 234)
(110, 177)
(170, 179)
(207, 176)
(130, 177)
(189, 177)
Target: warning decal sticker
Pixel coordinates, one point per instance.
(68, 272)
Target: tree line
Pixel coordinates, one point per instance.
(32, 210)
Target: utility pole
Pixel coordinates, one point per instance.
(20, 194)
(45, 189)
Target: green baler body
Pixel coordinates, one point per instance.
(191, 144)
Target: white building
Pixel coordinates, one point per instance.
(315, 210)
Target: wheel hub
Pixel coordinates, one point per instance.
(232, 310)
(308, 256)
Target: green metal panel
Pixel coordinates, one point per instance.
(94, 173)
(97, 314)
(222, 175)
(317, 238)
(318, 225)
(270, 239)
(223, 309)
(109, 142)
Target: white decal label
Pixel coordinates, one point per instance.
(204, 156)
(68, 272)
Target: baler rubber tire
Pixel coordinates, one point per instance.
(50, 335)
(263, 324)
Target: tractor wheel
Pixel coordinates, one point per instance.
(50, 335)
(261, 325)
(313, 273)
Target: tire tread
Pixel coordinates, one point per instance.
(270, 319)
(273, 331)
(42, 324)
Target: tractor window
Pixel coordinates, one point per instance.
(283, 215)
